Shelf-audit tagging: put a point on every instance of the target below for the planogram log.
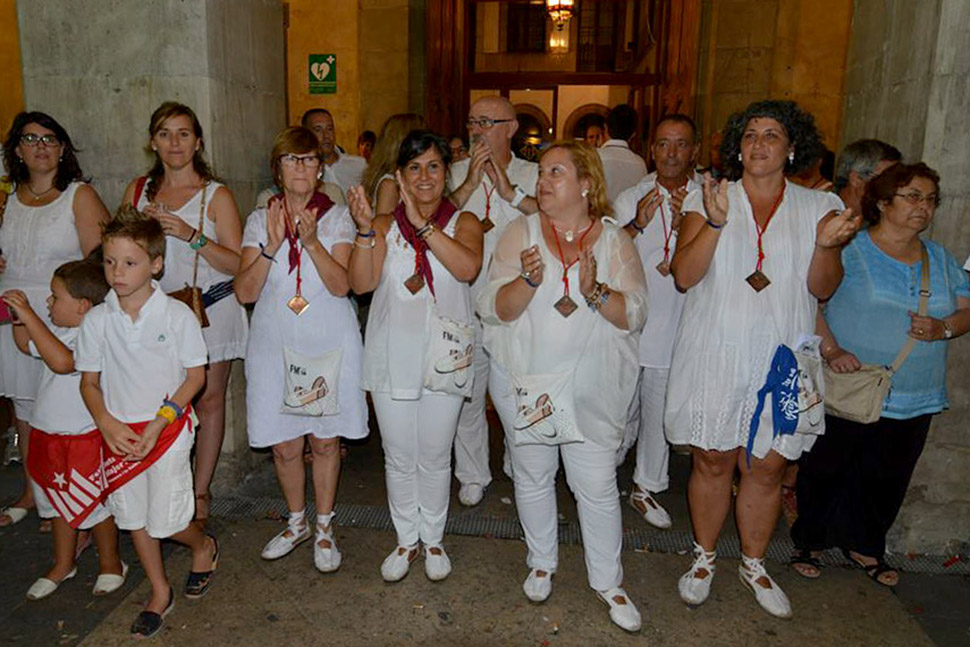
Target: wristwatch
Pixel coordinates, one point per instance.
(520, 195)
(947, 331)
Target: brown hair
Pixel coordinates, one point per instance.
(84, 280)
(292, 139)
(588, 165)
(383, 159)
(883, 187)
(162, 114)
(142, 229)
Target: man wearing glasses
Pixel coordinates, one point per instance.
(497, 187)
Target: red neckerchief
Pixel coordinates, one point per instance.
(440, 219)
(321, 202)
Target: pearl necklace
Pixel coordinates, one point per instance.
(570, 235)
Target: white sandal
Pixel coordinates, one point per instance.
(325, 558)
(283, 543)
(695, 585)
(398, 563)
(650, 509)
(622, 611)
(109, 582)
(537, 587)
(766, 591)
(44, 587)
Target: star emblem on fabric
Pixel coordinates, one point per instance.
(59, 479)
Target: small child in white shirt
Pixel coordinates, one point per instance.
(142, 359)
(65, 450)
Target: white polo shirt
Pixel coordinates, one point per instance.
(59, 408)
(486, 199)
(347, 171)
(666, 303)
(622, 167)
(144, 361)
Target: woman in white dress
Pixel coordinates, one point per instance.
(565, 299)
(176, 190)
(755, 256)
(52, 217)
(421, 260)
(294, 260)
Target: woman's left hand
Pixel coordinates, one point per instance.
(306, 227)
(837, 228)
(926, 328)
(587, 272)
(410, 208)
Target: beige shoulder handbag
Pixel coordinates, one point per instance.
(859, 396)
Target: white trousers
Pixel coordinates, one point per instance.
(645, 427)
(590, 474)
(471, 440)
(417, 437)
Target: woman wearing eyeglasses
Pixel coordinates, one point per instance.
(52, 217)
(202, 227)
(852, 484)
(304, 358)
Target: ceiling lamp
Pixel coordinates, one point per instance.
(560, 11)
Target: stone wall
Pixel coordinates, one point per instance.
(908, 82)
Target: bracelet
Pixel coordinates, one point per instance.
(200, 242)
(369, 234)
(262, 252)
(599, 297)
(519, 196)
(168, 413)
(640, 230)
(525, 277)
(425, 232)
(191, 236)
(947, 331)
(171, 403)
(715, 226)
(372, 245)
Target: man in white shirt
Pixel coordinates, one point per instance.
(339, 168)
(622, 167)
(651, 212)
(497, 187)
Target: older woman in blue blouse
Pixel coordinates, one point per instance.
(852, 484)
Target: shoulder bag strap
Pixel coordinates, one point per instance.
(195, 264)
(924, 297)
(139, 188)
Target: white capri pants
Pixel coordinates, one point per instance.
(645, 427)
(417, 436)
(471, 441)
(590, 474)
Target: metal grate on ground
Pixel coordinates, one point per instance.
(646, 539)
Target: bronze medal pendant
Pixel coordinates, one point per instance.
(664, 268)
(758, 281)
(487, 225)
(298, 304)
(566, 306)
(415, 283)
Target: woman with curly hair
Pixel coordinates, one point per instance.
(754, 255)
(202, 226)
(379, 185)
(52, 216)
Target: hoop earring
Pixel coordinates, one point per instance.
(791, 157)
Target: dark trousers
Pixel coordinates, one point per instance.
(851, 485)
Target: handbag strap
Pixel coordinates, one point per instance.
(195, 263)
(139, 188)
(924, 297)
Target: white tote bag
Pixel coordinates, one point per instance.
(448, 362)
(310, 383)
(545, 412)
(811, 386)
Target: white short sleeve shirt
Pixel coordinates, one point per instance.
(143, 361)
(347, 171)
(59, 408)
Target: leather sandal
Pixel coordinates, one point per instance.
(198, 582)
(874, 571)
(149, 623)
(803, 563)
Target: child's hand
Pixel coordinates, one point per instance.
(19, 303)
(147, 440)
(120, 438)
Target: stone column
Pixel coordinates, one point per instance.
(908, 83)
(100, 67)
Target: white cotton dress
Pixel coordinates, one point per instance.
(225, 337)
(328, 323)
(35, 242)
(542, 341)
(728, 333)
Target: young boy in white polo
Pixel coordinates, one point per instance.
(142, 360)
(65, 451)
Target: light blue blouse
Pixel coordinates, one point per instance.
(868, 316)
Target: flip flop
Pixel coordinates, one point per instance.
(804, 558)
(873, 571)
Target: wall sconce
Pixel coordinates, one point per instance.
(559, 41)
(560, 11)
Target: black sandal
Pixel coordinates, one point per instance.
(874, 571)
(198, 582)
(149, 623)
(802, 557)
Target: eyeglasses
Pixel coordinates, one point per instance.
(291, 161)
(30, 139)
(485, 123)
(931, 200)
